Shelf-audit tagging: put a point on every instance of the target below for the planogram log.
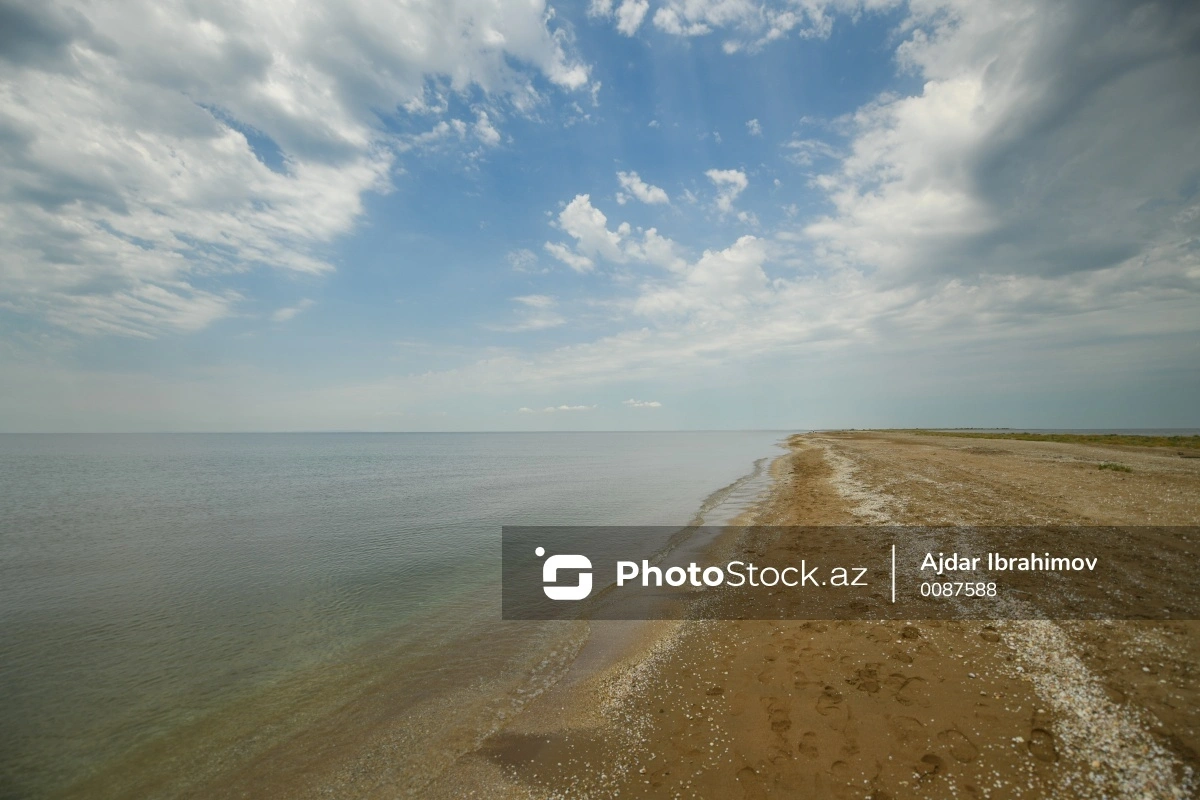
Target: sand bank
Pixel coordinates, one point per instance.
(888, 709)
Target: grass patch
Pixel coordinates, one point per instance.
(1114, 467)
(1188, 442)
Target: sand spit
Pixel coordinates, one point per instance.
(891, 709)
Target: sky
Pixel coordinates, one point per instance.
(608, 215)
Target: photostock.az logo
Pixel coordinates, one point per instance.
(550, 575)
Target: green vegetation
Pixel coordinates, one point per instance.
(1114, 467)
(1189, 442)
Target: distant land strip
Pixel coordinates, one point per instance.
(1191, 442)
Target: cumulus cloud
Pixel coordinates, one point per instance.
(577, 262)
(729, 183)
(720, 283)
(631, 403)
(753, 127)
(647, 193)
(152, 148)
(628, 15)
(554, 409)
(1044, 141)
(588, 225)
(485, 131)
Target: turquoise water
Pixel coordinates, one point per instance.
(150, 584)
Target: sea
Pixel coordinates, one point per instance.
(176, 608)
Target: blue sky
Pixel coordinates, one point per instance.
(635, 214)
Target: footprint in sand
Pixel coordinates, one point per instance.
(959, 745)
(777, 713)
(866, 679)
(914, 691)
(1041, 744)
(802, 681)
(829, 702)
(808, 744)
(906, 730)
(751, 782)
(929, 765)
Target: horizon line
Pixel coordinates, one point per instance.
(604, 430)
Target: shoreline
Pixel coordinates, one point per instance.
(899, 708)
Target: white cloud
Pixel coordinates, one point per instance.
(730, 183)
(754, 23)
(589, 227)
(753, 127)
(631, 403)
(643, 191)
(569, 257)
(720, 283)
(629, 14)
(153, 148)
(140, 311)
(804, 152)
(1033, 147)
(484, 130)
(285, 314)
(555, 409)
(655, 249)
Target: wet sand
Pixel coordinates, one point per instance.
(854, 709)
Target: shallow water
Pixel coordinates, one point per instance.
(219, 592)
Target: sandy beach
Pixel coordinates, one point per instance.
(891, 709)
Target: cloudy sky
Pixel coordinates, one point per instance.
(628, 214)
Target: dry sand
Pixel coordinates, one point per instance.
(857, 709)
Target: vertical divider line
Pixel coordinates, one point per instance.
(893, 573)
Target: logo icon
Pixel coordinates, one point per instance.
(550, 575)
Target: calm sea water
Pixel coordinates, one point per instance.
(202, 593)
